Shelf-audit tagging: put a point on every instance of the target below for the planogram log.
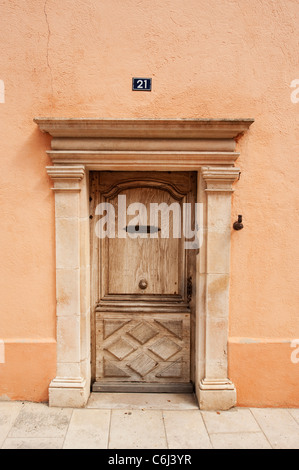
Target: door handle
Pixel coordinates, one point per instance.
(141, 229)
(143, 284)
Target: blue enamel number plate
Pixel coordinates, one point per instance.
(141, 84)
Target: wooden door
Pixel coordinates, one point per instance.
(142, 277)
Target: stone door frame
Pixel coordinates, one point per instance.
(203, 145)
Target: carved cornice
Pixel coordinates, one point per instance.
(143, 144)
(220, 178)
(218, 174)
(144, 128)
(63, 172)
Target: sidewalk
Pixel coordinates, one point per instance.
(145, 421)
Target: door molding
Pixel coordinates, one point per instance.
(203, 145)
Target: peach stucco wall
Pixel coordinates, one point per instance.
(218, 59)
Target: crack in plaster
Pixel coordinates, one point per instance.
(48, 42)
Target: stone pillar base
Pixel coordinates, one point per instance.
(216, 395)
(68, 393)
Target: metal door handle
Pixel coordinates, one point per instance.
(141, 229)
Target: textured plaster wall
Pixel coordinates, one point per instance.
(217, 59)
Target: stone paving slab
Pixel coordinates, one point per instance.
(137, 429)
(233, 420)
(240, 440)
(279, 426)
(25, 425)
(33, 443)
(88, 429)
(38, 420)
(186, 430)
(8, 414)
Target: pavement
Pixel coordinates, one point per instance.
(145, 421)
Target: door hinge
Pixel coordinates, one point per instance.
(189, 289)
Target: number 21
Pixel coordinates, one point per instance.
(141, 82)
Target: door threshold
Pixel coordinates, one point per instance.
(117, 387)
(142, 401)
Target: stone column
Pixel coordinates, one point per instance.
(71, 386)
(215, 390)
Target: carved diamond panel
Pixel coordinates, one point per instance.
(143, 364)
(165, 348)
(143, 347)
(143, 332)
(120, 349)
